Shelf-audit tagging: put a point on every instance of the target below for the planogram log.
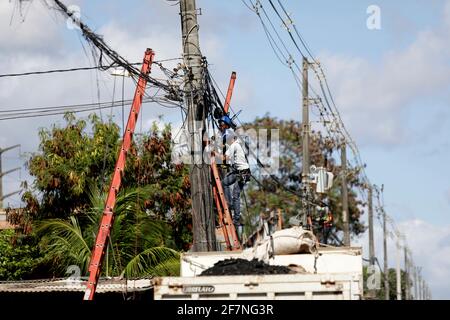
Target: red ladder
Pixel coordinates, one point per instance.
(104, 231)
(225, 220)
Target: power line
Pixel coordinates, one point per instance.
(105, 51)
(30, 73)
(287, 28)
(332, 111)
(47, 72)
(21, 113)
(335, 114)
(287, 56)
(296, 31)
(329, 113)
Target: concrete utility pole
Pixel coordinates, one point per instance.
(386, 268)
(425, 291)
(2, 196)
(371, 236)
(305, 139)
(398, 271)
(344, 193)
(421, 286)
(422, 289)
(416, 283)
(407, 284)
(305, 121)
(203, 220)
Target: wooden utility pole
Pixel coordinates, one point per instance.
(344, 193)
(371, 235)
(2, 196)
(386, 268)
(203, 220)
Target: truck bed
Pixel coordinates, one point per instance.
(261, 287)
(334, 274)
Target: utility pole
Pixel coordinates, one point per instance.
(422, 296)
(421, 285)
(305, 120)
(386, 268)
(2, 196)
(398, 271)
(416, 283)
(425, 291)
(372, 293)
(305, 142)
(344, 193)
(407, 284)
(203, 220)
(371, 236)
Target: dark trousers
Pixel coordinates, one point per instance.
(232, 187)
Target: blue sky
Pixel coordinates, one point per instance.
(392, 86)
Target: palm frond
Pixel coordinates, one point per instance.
(64, 240)
(152, 261)
(138, 245)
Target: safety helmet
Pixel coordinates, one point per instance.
(226, 119)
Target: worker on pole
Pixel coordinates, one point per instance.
(238, 175)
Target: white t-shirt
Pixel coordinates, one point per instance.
(237, 156)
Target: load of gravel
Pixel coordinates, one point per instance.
(234, 267)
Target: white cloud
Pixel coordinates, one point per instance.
(430, 246)
(17, 35)
(374, 96)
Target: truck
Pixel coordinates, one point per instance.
(332, 273)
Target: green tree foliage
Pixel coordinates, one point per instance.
(18, 256)
(168, 197)
(72, 171)
(71, 161)
(139, 245)
(270, 197)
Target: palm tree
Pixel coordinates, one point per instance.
(139, 245)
